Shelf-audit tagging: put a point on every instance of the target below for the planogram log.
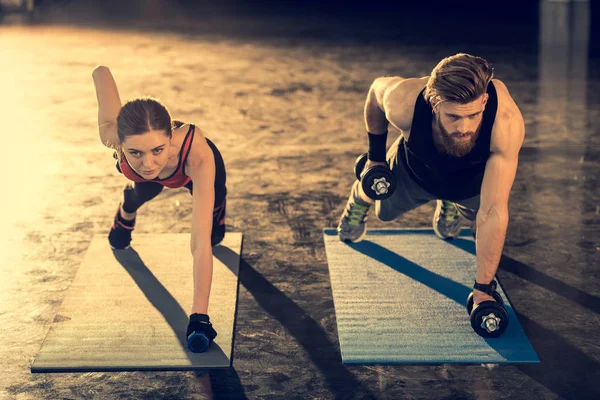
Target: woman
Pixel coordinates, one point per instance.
(154, 152)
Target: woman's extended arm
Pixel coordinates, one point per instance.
(201, 168)
(109, 105)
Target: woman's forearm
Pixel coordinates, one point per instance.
(203, 270)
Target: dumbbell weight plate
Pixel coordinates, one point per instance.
(470, 303)
(489, 319)
(378, 182)
(359, 164)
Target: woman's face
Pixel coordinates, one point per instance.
(147, 153)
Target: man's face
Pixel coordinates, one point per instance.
(459, 125)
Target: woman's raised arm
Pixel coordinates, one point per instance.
(109, 105)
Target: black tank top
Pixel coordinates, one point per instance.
(447, 177)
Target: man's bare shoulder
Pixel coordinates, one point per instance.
(509, 127)
(399, 101)
(505, 100)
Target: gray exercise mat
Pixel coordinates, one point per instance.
(129, 309)
(400, 296)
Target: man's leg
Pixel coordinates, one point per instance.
(447, 219)
(468, 209)
(407, 196)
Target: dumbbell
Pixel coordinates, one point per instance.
(200, 333)
(489, 319)
(198, 342)
(378, 181)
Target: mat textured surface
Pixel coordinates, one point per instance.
(400, 296)
(129, 309)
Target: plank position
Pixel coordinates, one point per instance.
(153, 151)
(461, 133)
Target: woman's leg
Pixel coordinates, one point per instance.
(219, 211)
(135, 196)
(124, 222)
(218, 224)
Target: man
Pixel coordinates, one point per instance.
(461, 136)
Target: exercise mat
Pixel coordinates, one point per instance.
(129, 309)
(400, 295)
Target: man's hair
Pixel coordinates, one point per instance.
(460, 78)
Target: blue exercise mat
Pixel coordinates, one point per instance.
(400, 297)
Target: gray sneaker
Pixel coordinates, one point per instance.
(446, 220)
(353, 223)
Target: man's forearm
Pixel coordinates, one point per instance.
(203, 270)
(491, 233)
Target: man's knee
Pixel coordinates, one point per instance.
(385, 214)
(469, 214)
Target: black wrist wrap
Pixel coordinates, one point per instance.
(490, 288)
(377, 146)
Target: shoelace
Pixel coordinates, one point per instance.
(449, 212)
(356, 213)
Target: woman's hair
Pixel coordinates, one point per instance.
(141, 115)
(460, 78)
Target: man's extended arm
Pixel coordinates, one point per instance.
(492, 218)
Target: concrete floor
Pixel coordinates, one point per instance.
(280, 90)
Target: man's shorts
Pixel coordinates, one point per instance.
(409, 195)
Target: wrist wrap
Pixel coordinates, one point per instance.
(489, 288)
(377, 146)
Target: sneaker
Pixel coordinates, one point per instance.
(353, 223)
(446, 220)
(119, 236)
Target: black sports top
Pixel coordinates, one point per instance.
(447, 177)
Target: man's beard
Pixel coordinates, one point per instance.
(456, 147)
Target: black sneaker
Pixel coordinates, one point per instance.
(119, 236)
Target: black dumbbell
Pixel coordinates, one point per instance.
(198, 342)
(378, 181)
(200, 333)
(470, 302)
(489, 318)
